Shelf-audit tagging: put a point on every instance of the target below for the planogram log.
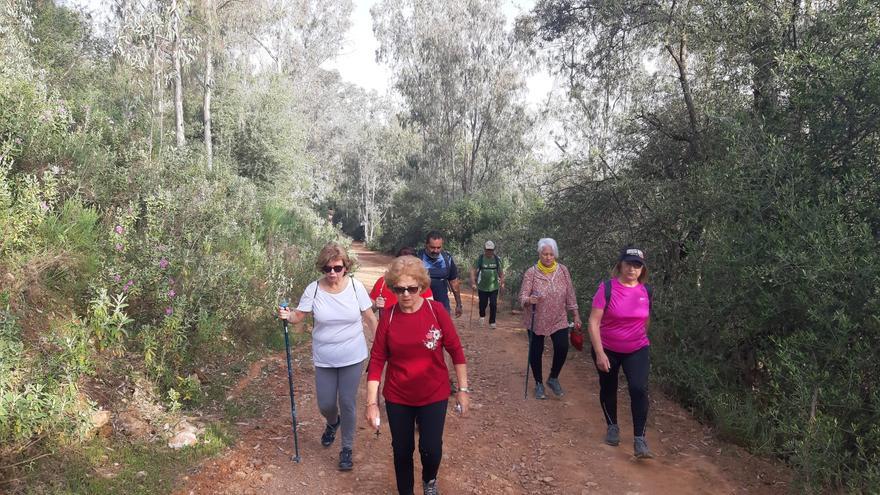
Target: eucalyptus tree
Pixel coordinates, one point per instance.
(461, 75)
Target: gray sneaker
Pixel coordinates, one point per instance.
(554, 385)
(612, 436)
(539, 391)
(430, 487)
(640, 448)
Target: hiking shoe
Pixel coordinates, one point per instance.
(554, 385)
(345, 461)
(430, 487)
(482, 320)
(330, 433)
(612, 436)
(539, 391)
(492, 326)
(640, 448)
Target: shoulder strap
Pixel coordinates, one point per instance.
(607, 285)
(317, 283)
(431, 307)
(650, 289)
(356, 298)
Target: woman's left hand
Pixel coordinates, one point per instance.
(577, 323)
(464, 400)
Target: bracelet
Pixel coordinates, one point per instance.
(464, 389)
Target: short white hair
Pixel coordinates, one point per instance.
(548, 242)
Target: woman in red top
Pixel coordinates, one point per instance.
(410, 340)
(383, 296)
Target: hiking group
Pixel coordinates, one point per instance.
(415, 327)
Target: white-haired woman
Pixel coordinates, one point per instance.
(547, 288)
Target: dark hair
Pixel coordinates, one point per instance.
(405, 251)
(433, 235)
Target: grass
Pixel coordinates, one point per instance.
(103, 467)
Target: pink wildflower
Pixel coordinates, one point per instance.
(118, 246)
(168, 311)
(119, 230)
(163, 263)
(171, 293)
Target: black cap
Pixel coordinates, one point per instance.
(632, 255)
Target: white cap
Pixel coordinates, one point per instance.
(490, 245)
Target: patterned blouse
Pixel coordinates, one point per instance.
(556, 294)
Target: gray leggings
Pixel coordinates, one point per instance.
(341, 383)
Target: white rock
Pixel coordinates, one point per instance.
(182, 439)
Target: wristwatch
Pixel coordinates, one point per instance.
(464, 389)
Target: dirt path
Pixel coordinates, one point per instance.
(508, 445)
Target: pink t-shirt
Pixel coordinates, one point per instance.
(622, 328)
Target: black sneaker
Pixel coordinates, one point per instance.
(345, 461)
(330, 433)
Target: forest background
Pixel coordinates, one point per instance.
(166, 179)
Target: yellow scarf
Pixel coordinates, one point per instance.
(547, 270)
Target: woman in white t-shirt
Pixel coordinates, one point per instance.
(340, 306)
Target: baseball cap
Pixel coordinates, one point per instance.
(633, 255)
(489, 245)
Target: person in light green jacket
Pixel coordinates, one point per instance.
(487, 275)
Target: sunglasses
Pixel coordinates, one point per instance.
(413, 289)
(337, 269)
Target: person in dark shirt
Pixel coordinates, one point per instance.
(442, 270)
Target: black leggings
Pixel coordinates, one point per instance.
(560, 352)
(402, 419)
(635, 366)
(490, 298)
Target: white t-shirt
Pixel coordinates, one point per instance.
(338, 337)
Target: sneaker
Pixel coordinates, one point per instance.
(554, 385)
(492, 326)
(539, 391)
(430, 487)
(330, 433)
(640, 448)
(612, 436)
(345, 461)
(482, 320)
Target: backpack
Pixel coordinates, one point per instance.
(480, 263)
(648, 287)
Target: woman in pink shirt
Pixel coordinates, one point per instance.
(547, 287)
(619, 334)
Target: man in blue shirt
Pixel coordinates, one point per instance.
(442, 270)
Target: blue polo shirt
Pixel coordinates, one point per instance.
(441, 271)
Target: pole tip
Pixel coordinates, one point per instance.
(296, 459)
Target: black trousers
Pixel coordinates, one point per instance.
(560, 352)
(431, 419)
(636, 366)
(490, 298)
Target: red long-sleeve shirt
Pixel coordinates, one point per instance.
(412, 346)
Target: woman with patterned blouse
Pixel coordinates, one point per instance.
(547, 290)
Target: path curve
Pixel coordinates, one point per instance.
(508, 445)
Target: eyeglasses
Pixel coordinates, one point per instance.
(337, 268)
(413, 289)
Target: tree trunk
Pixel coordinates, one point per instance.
(178, 77)
(681, 63)
(209, 83)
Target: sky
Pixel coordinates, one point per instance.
(357, 62)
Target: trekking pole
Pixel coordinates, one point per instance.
(528, 362)
(471, 317)
(296, 457)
